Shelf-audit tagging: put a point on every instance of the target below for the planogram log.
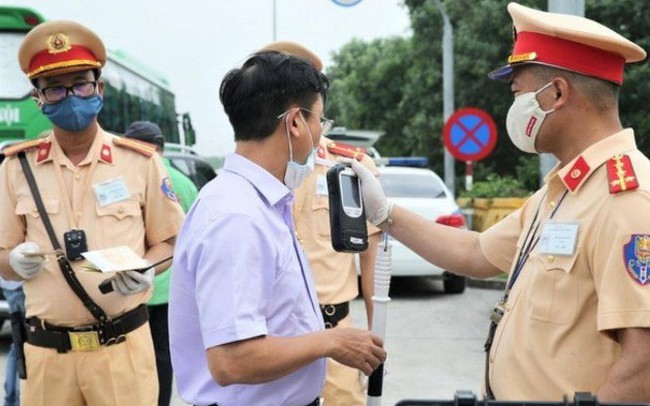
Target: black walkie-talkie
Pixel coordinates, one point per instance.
(347, 216)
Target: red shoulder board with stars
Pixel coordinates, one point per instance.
(24, 146)
(620, 174)
(346, 150)
(140, 147)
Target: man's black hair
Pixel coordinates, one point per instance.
(266, 85)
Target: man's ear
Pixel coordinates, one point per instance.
(562, 92)
(293, 122)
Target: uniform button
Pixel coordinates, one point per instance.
(77, 177)
(35, 211)
(507, 307)
(78, 214)
(551, 205)
(551, 258)
(575, 174)
(120, 210)
(491, 360)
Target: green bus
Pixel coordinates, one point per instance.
(132, 92)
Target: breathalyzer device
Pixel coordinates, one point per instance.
(347, 217)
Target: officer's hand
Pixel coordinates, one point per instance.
(26, 266)
(358, 349)
(132, 282)
(374, 200)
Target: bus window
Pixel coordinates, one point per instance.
(13, 83)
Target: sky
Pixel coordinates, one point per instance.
(194, 43)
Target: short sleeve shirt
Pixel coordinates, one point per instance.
(143, 216)
(334, 272)
(238, 274)
(554, 337)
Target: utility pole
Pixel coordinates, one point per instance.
(574, 7)
(447, 88)
(275, 30)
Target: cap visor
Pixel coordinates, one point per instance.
(502, 74)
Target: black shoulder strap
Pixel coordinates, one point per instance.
(64, 265)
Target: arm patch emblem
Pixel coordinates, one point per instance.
(166, 188)
(636, 254)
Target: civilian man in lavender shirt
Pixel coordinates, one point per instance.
(245, 325)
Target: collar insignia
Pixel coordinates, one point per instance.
(576, 174)
(106, 154)
(43, 153)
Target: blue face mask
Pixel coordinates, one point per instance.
(74, 113)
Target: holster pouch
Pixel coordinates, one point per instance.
(19, 336)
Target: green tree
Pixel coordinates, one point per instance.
(367, 86)
(395, 84)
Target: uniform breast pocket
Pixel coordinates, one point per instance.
(120, 215)
(553, 290)
(27, 207)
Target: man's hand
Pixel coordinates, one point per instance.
(358, 349)
(132, 282)
(374, 200)
(25, 265)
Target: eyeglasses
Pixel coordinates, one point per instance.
(325, 123)
(55, 94)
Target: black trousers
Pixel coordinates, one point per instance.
(160, 335)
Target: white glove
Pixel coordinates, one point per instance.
(132, 282)
(26, 266)
(374, 200)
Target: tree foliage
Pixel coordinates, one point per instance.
(395, 84)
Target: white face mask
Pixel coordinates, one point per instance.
(296, 173)
(524, 120)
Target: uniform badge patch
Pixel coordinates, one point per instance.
(637, 257)
(166, 187)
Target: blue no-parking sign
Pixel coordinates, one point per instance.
(347, 3)
(470, 134)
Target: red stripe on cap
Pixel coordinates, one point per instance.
(77, 55)
(571, 55)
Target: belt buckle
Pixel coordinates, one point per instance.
(84, 340)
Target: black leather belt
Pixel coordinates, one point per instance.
(316, 402)
(332, 314)
(86, 338)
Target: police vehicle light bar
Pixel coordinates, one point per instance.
(414, 161)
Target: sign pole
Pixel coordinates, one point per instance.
(468, 175)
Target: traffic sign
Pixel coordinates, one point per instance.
(470, 134)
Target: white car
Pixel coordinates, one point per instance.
(421, 191)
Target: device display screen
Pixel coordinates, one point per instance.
(350, 189)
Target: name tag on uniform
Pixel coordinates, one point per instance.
(321, 185)
(558, 238)
(111, 191)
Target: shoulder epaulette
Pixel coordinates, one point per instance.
(346, 150)
(620, 174)
(23, 146)
(137, 146)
